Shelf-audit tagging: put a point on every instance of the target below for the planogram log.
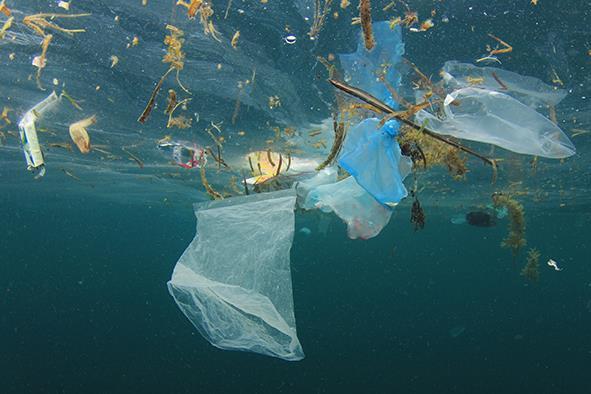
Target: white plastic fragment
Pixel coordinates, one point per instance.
(28, 135)
(554, 264)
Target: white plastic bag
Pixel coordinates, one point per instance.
(498, 119)
(233, 282)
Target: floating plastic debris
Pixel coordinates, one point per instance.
(499, 119)
(28, 135)
(554, 264)
(238, 294)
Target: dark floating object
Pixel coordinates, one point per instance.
(481, 219)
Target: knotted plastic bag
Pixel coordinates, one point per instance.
(496, 118)
(233, 281)
(373, 157)
(364, 216)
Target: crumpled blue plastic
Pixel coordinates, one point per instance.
(373, 157)
(370, 154)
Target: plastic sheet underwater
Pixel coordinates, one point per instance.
(233, 282)
(530, 91)
(496, 118)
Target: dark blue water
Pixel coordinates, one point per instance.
(84, 308)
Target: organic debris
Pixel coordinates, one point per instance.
(531, 270)
(274, 102)
(339, 137)
(4, 8)
(515, 239)
(4, 116)
(417, 215)
(79, 134)
(133, 157)
(6, 26)
(152, 101)
(365, 18)
(203, 8)
(62, 145)
(39, 23)
(210, 191)
(497, 51)
(234, 41)
(320, 13)
(181, 121)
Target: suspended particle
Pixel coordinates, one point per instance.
(291, 39)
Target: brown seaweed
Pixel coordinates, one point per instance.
(515, 239)
(365, 17)
(531, 270)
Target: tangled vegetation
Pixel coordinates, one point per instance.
(515, 240)
(531, 270)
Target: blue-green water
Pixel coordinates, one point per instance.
(87, 309)
(83, 264)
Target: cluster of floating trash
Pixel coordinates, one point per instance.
(239, 297)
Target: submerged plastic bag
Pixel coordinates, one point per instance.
(498, 119)
(530, 91)
(364, 216)
(373, 157)
(360, 67)
(233, 281)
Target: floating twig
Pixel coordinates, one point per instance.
(150, 106)
(139, 162)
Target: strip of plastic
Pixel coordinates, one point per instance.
(28, 134)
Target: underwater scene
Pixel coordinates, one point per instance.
(295, 196)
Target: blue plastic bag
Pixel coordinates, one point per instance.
(361, 67)
(373, 157)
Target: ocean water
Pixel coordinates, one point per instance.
(84, 261)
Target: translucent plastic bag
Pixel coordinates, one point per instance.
(530, 91)
(323, 177)
(233, 281)
(373, 157)
(360, 67)
(364, 216)
(498, 119)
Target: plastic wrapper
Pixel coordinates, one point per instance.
(184, 154)
(28, 134)
(530, 91)
(373, 157)
(233, 281)
(364, 215)
(496, 118)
